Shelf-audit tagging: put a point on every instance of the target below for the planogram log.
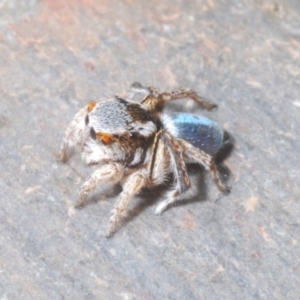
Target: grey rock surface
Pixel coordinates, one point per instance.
(56, 56)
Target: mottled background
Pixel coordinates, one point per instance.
(56, 55)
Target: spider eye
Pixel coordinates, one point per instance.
(87, 120)
(93, 133)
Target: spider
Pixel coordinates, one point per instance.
(136, 145)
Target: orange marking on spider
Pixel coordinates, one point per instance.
(91, 106)
(106, 138)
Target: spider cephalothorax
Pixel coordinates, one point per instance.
(137, 145)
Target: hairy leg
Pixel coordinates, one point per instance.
(169, 156)
(178, 166)
(107, 174)
(137, 92)
(206, 161)
(155, 101)
(187, 93)
(75, 133)
(170, 197)
(173, 196)
(132, 186)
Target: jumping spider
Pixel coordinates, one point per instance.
(137, 145)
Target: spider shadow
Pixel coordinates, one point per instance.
(226, 148)
(224, 152)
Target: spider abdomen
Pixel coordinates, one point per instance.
(201, 132)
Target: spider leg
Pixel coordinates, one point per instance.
(75, 133)
(187, 93)
(107, 174)
(180, 172)
(137, 92)
(206, 161)
(171, 197)
(133, 184)
(177, 161)
(155, 153)
(155, 101)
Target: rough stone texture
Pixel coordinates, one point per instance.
(56, 55)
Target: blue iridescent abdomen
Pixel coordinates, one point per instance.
(199, 131)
